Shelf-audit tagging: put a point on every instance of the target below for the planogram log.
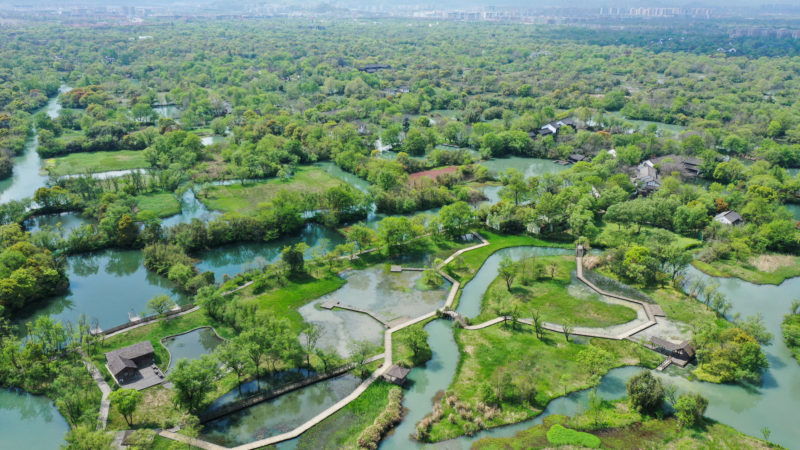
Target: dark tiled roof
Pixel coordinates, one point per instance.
(398, 372)
(122, 358)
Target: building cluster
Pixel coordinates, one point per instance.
(764, 32)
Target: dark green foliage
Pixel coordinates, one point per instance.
(646, 392)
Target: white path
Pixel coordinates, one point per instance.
(387, 355)
(105, 389)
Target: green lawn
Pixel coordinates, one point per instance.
(611, 235)
(164, 204)
(79, 163)
(550, 298)
(618, 426)
(342, 429)
(155, 332)
(785, 266)
(285, 301)
(550, 367)
(245, 198)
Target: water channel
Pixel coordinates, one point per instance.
(107, 285)
(279, 415)
(28, 174)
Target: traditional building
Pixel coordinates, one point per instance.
(397, 375)
(729, 218)
(124, 363)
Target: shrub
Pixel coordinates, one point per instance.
(558, 435)
(646, 392)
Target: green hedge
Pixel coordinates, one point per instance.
(558, 435)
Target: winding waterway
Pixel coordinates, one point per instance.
(28, 174)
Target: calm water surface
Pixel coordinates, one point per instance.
(29, 421)
(106, 286)
(192, 345)
(279, 415)
(28, 175)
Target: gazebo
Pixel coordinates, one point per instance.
(397, 375)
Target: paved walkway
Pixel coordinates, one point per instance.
(105, 389)
(387, 355)
(125, 330)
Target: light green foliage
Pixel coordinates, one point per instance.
(126, 401)
(558, 435)
(690, 409)
(192, 381)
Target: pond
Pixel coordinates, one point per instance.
(663, 128)
(28, 174)
(211, 140)
(67, 222)
(529, 167)
(191, 208)
(794, 208)
(278, 415)
(30, 421)
(107, 286)
(191, 345)
(168, 112)
(391, 296)
(349, 178)
(236, 258)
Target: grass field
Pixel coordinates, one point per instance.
(79, 163)
(550, 368)
(164, 204)
(611, 235)
(155, 332)
(245, 198)
(285, 301)
(764, 269)
(550, 298)
(618, 426)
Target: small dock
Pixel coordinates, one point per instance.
(663, 366)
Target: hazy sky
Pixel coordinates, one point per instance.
(436, 3)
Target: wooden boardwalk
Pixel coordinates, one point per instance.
(362, 311)
(387, 355)
(269, 395)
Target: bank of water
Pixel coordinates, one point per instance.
(747, 409)
(28, 174)
(106, 286)
(389, 295)
(29, 421)
(278, 415)
(191, 345)
(168, 112)
(794, 208)
(65, 222)
(530, 167)
(236, 258)
(191, 208)
(211, 140)
(472, 294)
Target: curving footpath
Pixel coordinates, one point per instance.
(387, 364)
(387, 355)
(105, 389)
(604, 332)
